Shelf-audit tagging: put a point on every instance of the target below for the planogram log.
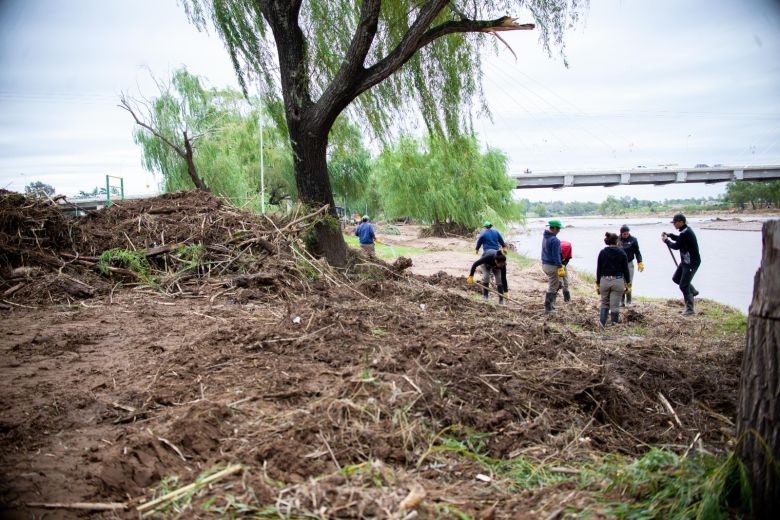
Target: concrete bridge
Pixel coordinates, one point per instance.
(656, 176)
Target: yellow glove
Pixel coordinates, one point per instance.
(561, 272)
(376, 240)
(503, 250)
(628, 288)
(470, 280)
(506, 294)
(641, 266)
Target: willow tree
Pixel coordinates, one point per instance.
(322, 56)
(449, 183)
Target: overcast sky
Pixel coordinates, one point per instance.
(648, 83)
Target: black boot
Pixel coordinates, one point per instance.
(623, 300)
(553, 297)
(628, 298)
(688, 306)
(603, 314)
(548, 303)
(615, 317)
(693, 290)
(485, 294)
(566, 295)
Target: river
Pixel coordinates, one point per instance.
(729, 258)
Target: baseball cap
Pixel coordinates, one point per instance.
(555, 224)
(678, 218)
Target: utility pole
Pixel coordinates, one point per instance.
(262, 168)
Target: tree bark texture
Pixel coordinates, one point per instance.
(758, 413)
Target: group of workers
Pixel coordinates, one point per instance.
(614, 267)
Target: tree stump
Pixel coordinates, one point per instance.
(758, 413)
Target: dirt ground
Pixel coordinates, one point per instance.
(340, 393)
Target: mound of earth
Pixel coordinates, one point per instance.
(350, 393)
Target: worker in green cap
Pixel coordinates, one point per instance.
(552, 264)
(490, 240)
(365, 232)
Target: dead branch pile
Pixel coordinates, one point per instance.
(174, 243)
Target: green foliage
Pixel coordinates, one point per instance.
(755, 193)
(664, 485)
(349, 163)
(224, 129)
(624, 205)
(192, 255)
(134, 261)
(39, 189)
(446, 181)
(441, 78)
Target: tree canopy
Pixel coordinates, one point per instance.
(323, 56)
(449, 181)
(39, 189)
(425, 54)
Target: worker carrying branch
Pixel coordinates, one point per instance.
(493, 263)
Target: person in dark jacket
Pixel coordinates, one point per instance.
(611, 278)
(630, 247)
(490, 239)
(365, 232)
(552, 264)
(690, 260)
(566, 256)
(492, 262)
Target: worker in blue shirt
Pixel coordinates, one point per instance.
(490, 239)
(365, 232)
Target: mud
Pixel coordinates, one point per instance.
(334, 390)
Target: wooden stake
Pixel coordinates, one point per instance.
(86, 506)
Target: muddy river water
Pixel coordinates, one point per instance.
(729, 258)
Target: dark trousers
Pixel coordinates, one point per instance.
(683, 277)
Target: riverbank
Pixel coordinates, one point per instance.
(364, 392)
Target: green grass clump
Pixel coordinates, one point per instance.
(192, 255)
(664, 485)
(727, 320)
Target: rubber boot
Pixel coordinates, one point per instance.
(623, 301)
(566, 295)
(603, 314)
(615, 317)
(485, 294)
(688, 306)
(501, 295)
(548, 303)
(628, 298)
(693, 290)
(553, 297)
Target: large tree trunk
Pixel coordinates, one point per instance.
(758, 415)
(311, 177)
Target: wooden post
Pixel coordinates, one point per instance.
(758, 413)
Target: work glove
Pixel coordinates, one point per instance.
(641, 266)
(598, 288)
(470, 280)
(628, 288)
(506, 294)
(503, 250)
(376, 240)
(561, 272)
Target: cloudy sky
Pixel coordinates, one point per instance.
(648, 83)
